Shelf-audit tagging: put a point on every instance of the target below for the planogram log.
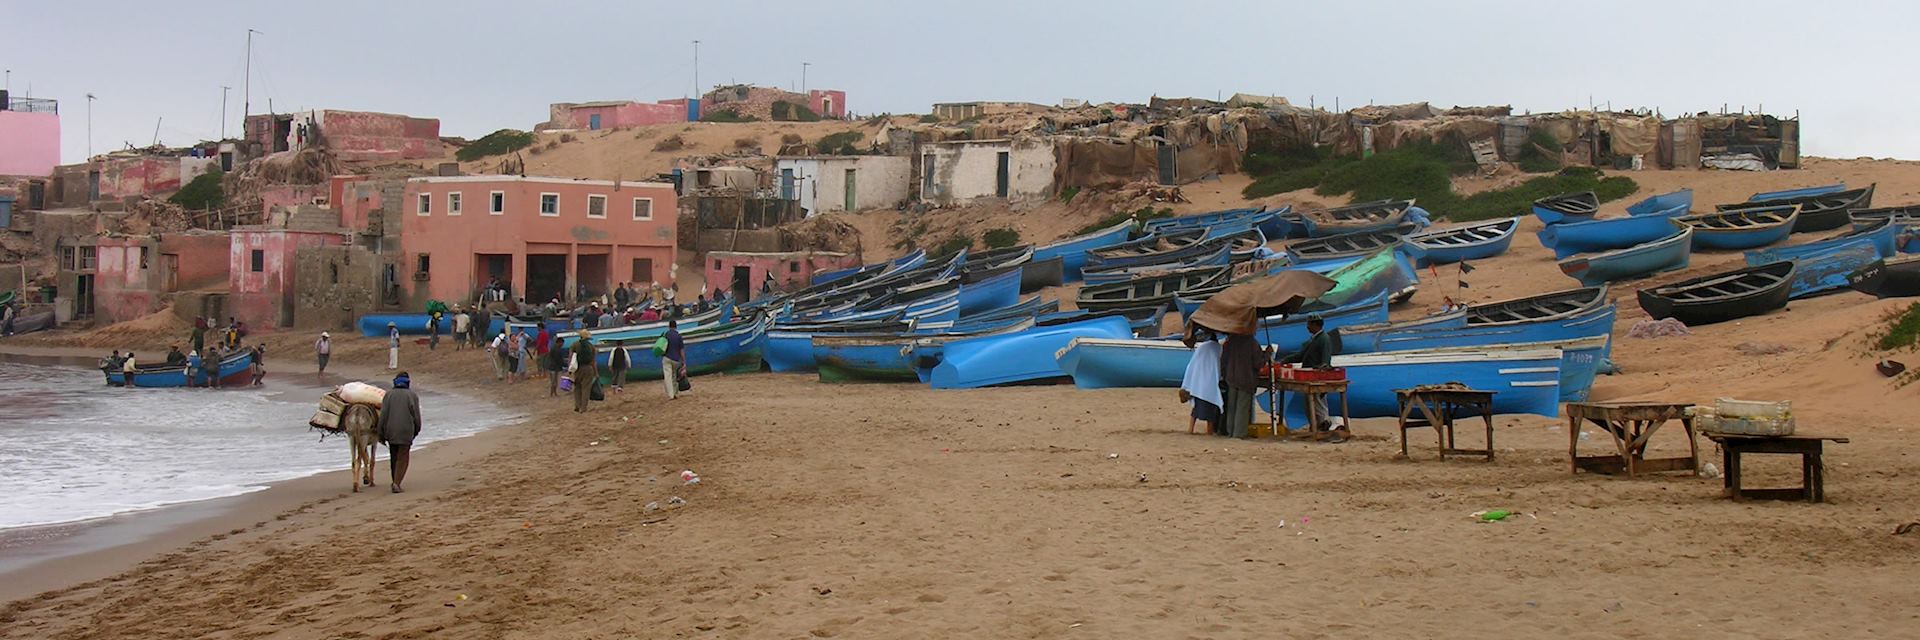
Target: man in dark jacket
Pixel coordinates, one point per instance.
(1240, 360)
(584, 374)
(1317, 353)
(399, 425)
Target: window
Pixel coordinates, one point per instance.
(549, 204)
(642, 269)
(70, 259)
(497, 202)
(453, 203)
(643, 210)
(86, 258)
(423, 264)
(596, 206)
(793, 267)
(716, 265)
(333, 273)
(143, 258)
(426, 204)
(257, 261)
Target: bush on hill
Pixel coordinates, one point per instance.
(497, 143)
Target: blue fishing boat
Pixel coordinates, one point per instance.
(1072, 252)
(1145, 320)
(789, 347)
(1569, 239)
(1102, 363)
(1905, 220)
(1525, 380)
(1156, 290)
(1465, 242)
(1352, 244)
(1218, 254)
(1798, 193)
(648, 330)
(1665, 254)
(1584, 338)
(1030, 307)
(1823, 266)
(1817, 212)
(1741, 228)
(1663, 204)
(235, 372)
(1567, 207)
(1188, 301)
(1361, 218)
(1021, 356)
(1252, 217)
(1286, 333)
(374, 325)
(992, 290)
(734, 347)
(886, 357)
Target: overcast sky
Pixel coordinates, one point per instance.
(481, 65)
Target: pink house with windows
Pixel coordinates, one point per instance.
(540, 237)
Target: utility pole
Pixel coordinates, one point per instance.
(803, 77)
(156, 130)
(696, 69)
(223, 111)
(89, 127)
(246, 91)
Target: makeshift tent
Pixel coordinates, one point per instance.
(1238, 309)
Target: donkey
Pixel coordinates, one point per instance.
(362, 426)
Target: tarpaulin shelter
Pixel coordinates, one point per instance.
(1239, 308)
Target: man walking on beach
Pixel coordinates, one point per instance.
(460, 321)
(322, 350)
(1239, 365)
(399, 425)
(258, 358)
(582, 368)
(673, 359)
(497, 352)
(433, 331)
(393, 346)
(617, 363)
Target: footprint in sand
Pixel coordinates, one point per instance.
(931, 597)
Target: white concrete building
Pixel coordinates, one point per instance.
(844, 183)
(1015, 170)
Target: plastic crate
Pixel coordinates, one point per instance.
(1749, 418)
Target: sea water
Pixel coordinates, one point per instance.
(72, 448)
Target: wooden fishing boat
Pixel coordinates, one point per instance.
(991, 289)
(235, 371)
(735, 347)
(1040, 274)
(1823, 266)
(374, 325)
(1905, 219)
(886, 357)
(1269, 221)
(31, 322)
(1721, 297)
(1665, 254)
(1019, 357)
(1212, 254)
(1073, 251)
(1818, 212)
(993, 260)
(1663, 204)
(649, 330)
(1895, 278)
(1467, 242)
(1525, 379)
(1567, 207)
(1798, 193)
(1569, 239)
(1349, 245)
(1156, 290)
(1742, 228)
(1184, 246)
(1355, 218)
(1150, 244)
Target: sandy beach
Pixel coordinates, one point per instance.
(1047, 512)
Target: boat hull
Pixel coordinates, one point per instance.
(1662, 302)
(1448, 253)
(1039, 274)
(994, 291)
(1822, 267)
(1073, 252)
(1888, 279)
(235, 371)
(735, 348)
(1574, 238)
(1103, 364)
(1667, 254)
(1024, 356)
(1524, 381)
(409, 324)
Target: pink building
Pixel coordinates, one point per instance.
(137, 275)
(542, 237)
(29, 136)
(742, 272)
(351, 135)
(262, 269)
(614, 114)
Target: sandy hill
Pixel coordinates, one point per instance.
(642, 152)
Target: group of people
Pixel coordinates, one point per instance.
(200, 371)
(1223, 378)
(515, 353)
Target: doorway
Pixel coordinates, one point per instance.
(1003, 175)
(83, 296)
(546, 278)
(492, 268)
(592, 273)
(851, 189)
(643, 271)
(593, 122)
(742, 283)
(170, 271)
(1169, 164)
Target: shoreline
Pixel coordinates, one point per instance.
(36, 559)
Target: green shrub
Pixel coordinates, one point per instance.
(1142, 214)
(929, 119)
(1000, 238)
(1422, 171)
(782, 110)
(204, 191)
(1903, 329)
(952, 245)
(1067, 194)
(839, 144)
(727, 115)
(499, 142)
(1533, 160)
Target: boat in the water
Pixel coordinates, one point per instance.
(1742, 228)
(1666, 254)
(1465, 242)
(235, 371)
(1355, 218)
(1891, 278)
(1801, 192)
(1148, 291)
(1663, 204)
(1351, 245)
(1569, 239)
(1072, 252)
(1823, 266)
(1567, 207)
(1019, 357)
(1720, 297)
(1818, 212)
(734, 347)
(1525, 380)
(888, 357)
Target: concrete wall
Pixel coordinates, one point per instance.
(968, 170)
(29, 143)
(290, 196)
(828, 103)
(454, 242)
(334, 285)
(613, 116)
(125, 288)
(820, 182)
(128, 177)
(758, 101)
(265, 297)
(351, 135)
(789, 269)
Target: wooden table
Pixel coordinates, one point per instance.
(1437, 408)
(1307, 389)
(1813, 476)
(1631, 424)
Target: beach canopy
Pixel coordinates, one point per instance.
(1238, 309)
